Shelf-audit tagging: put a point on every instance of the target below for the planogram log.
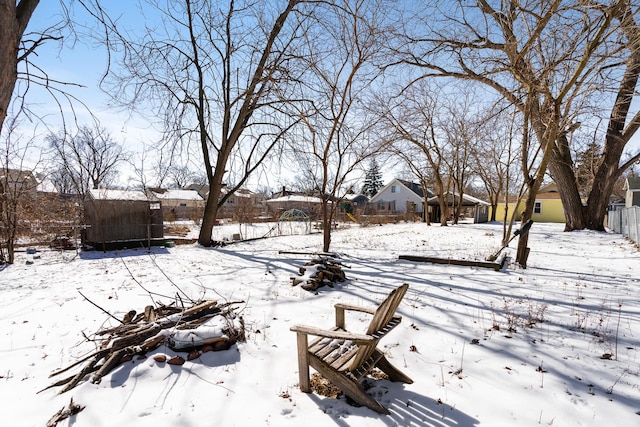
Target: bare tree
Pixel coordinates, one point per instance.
(217, 73)
(413, 126)
(17, 190)
(547, 58)
(62, 180)
(495, 155)
(181, 176)
(461, 130)
(89, 158)
(343, 45)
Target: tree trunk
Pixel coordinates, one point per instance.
(9, 38)
(211, 208)
(522, 253)
(606, 176)
(326, 225)
(208, 220)
(563, 174)
(14, 17)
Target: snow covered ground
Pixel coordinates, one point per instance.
(555, 344)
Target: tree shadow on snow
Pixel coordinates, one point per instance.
(406, 407)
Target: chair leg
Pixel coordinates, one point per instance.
(303, 362)
(392, 372)
(348, 386)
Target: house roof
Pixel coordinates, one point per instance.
(46, 186)
(295, 198)
(466, 199)
(353, 197)
(549, 188)
(412, 186)
(632, 183)
(178, 195)
(108, 194)
(416, 188)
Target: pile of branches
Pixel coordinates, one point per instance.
(320, 271)
(139, 333)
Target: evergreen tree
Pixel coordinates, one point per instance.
(373, 180)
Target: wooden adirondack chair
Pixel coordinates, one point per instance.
(343, 357)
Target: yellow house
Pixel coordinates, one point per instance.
(548, 206)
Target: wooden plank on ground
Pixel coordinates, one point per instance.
(496, 265)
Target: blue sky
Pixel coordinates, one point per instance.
(82, 62)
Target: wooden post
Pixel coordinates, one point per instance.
(303, 362)
(340, 317)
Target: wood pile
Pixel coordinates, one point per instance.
(320, 271)
(205, 326)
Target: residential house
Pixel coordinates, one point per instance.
(179, 204)
(398, 197)
(632, 191)
(243, 205)
(118, 218)
(548, 206)
(16, 182)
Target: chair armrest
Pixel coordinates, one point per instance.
(342, 306)
(334, 334)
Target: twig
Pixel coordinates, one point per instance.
(64, 413)
(99, 353)
(170, 281)
(618, 326)
(101, 309)
(140, 284)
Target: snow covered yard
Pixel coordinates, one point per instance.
(555, 344)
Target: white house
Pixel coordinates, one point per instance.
(632, 191)
(180, 204)
(396, 196)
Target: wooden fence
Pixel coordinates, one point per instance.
(627, 222)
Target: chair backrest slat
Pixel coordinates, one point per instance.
(381, 317)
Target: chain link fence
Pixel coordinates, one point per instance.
(627, 222)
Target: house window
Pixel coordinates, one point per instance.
(184, 205)
(394, 189)
(154, 206)
(537, 208)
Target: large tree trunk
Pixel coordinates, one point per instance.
(9, 38)
(213, 200)
(605, 179)
(562, 171)
(592, 216)
(208, 219)
(13, 21)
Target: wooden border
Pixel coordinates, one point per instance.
(497, 265)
